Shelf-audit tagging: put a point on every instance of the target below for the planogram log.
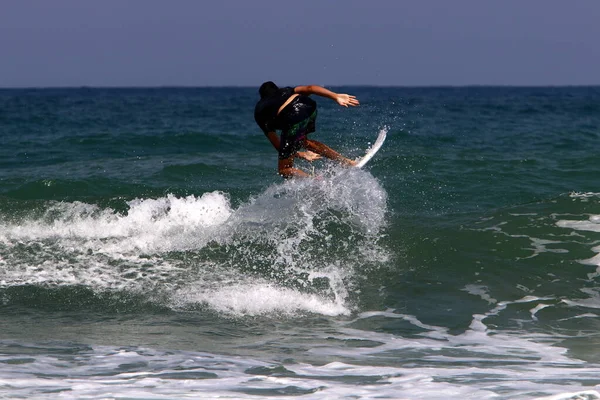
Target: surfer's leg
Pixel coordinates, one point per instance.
(287, 170)
(291, 141)
(326, 151)
(287, 152)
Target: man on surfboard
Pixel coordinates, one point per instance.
(290, 110)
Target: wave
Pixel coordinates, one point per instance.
(295, 247)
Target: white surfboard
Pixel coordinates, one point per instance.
(373, 149)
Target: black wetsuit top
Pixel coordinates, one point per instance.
(295, 121)
(266, 109)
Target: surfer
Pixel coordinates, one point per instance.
(290, 110)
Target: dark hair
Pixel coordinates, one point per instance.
(267, 89)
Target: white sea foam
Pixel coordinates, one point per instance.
(481, 291)
(259, 299)
(584, 196)
(479, 363)
(591, 225)
(150, 225)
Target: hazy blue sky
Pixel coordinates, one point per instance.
(245, 42)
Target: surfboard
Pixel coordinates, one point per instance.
(373, 149)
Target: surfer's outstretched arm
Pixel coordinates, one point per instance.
(342, 99)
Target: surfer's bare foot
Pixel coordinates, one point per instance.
(349, 163)
(308, 155)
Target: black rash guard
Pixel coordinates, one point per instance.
(295, 121)
(265, 113)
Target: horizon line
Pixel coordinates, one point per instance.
(336, 85)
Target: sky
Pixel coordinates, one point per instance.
(344, 42)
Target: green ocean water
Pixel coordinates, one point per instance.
(148, 248)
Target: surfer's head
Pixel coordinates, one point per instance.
(267, 89)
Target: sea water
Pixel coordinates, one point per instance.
(148, 249)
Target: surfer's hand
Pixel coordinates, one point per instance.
(346, 100)
(308, 155)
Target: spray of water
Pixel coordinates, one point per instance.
(295, 247)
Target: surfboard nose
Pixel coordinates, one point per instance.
(373, 149)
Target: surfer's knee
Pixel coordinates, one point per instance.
(285, 166)
(286, 172)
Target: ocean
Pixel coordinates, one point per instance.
(149, 250)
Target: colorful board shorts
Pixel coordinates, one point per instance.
(300, 117)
